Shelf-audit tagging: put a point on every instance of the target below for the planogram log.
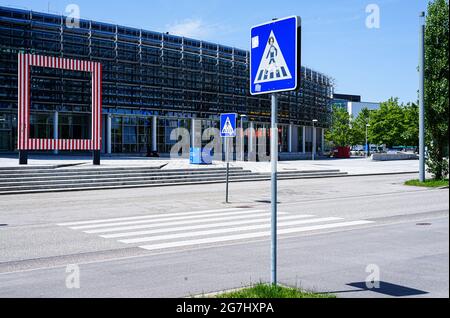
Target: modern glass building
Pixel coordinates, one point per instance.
(152, 82)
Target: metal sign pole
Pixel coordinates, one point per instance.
(422, 174)
(367, 141)
(274, 162)
(228, 131)
(228, 167)
(275, 66)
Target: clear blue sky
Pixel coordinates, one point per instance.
(374, 63)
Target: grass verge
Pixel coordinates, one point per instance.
(428, 183)
(264, 291)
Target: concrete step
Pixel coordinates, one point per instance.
(117, 185)
(64, 171)
(55, 179)
(141, 184)
(99, 168)
(25, 168)
(15, 180)
(100, 179)
(131, 173)
(100, 185)
(114, 172)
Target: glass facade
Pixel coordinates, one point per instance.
(300, 139)
(165, 127)
(131, 134)
(308, 139)
(8, 131)
(145, 74)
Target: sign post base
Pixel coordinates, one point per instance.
(96, 158)
(23, 157)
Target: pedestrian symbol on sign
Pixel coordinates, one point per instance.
(228, 125)
(273, 66)
(228, 130)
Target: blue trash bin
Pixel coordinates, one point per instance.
(199, 156)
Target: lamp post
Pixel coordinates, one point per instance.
(314, 139)
(367, 141)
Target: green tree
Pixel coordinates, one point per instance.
(437, 86)
(387, 124)
(340, 132)
(359, 125)
(411, 125)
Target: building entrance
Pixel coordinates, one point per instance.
(8, 132)
(130, 134)
(5, 140)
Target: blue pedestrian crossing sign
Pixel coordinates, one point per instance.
(228, 125)
(275, 56)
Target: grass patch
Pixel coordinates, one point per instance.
(264, 291)
(428, 183)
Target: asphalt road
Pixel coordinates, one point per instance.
(181, 241)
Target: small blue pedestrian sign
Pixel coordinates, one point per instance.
(275, 56)
(228, 125)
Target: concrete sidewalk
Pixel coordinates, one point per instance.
(354, 166)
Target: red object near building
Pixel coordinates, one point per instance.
(342, 152)
(25, 142)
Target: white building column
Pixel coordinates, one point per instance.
(155, 134)
(240, 142)
(261, 137)
(55, 127)
(109, 134)
(196, 133)
(304, 139)
(290, 138)
(314, 146)
(295, 145)
(323, 140)
(251, 142)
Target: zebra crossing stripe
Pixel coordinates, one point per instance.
(230, 238)
(193, 228)
(145, 217)
(176, 223)
(273, 66)
(202, 226)
(223, 231)
(157, 220)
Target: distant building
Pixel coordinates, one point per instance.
(353, 104)
(355, 108)
(348, 98)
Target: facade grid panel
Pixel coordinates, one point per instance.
(144, 72)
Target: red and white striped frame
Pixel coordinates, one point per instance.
(26, 61)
